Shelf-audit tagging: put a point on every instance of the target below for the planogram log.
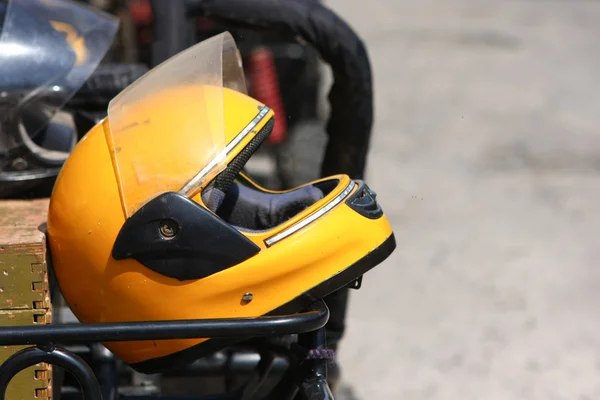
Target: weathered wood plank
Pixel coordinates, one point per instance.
(23, 275)
(33, 382)
(24, 291)
(22, 224)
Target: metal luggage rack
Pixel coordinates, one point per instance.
(306, 375)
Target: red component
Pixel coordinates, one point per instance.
(205, 24)
(264, 87)
(140, 11)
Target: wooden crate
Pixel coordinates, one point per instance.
(24, 291)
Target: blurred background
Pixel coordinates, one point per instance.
(486, 157)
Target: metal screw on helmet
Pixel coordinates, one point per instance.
(168, 229)
(247, 297)
(19, 164)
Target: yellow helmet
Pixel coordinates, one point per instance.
(152, 219)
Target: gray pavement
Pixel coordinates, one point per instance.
(486, 157)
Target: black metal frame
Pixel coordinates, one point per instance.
(305, 378)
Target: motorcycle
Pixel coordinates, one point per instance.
(289, 356)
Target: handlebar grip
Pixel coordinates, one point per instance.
(351, 94)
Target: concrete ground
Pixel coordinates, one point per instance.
(486, 157)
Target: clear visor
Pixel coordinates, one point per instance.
(48, 49)
(167, 129)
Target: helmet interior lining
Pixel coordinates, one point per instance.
(250, 209)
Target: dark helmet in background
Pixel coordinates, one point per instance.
(48, 49)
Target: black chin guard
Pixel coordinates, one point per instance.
(178, 238)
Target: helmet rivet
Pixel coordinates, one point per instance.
(19, 164)
(168, 229)
(247, 297)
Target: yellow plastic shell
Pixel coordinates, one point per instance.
(85, 216)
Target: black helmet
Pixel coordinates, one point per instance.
(48, 49)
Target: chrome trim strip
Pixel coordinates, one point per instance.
(236, 140)
(317, 214)
(197, 180)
